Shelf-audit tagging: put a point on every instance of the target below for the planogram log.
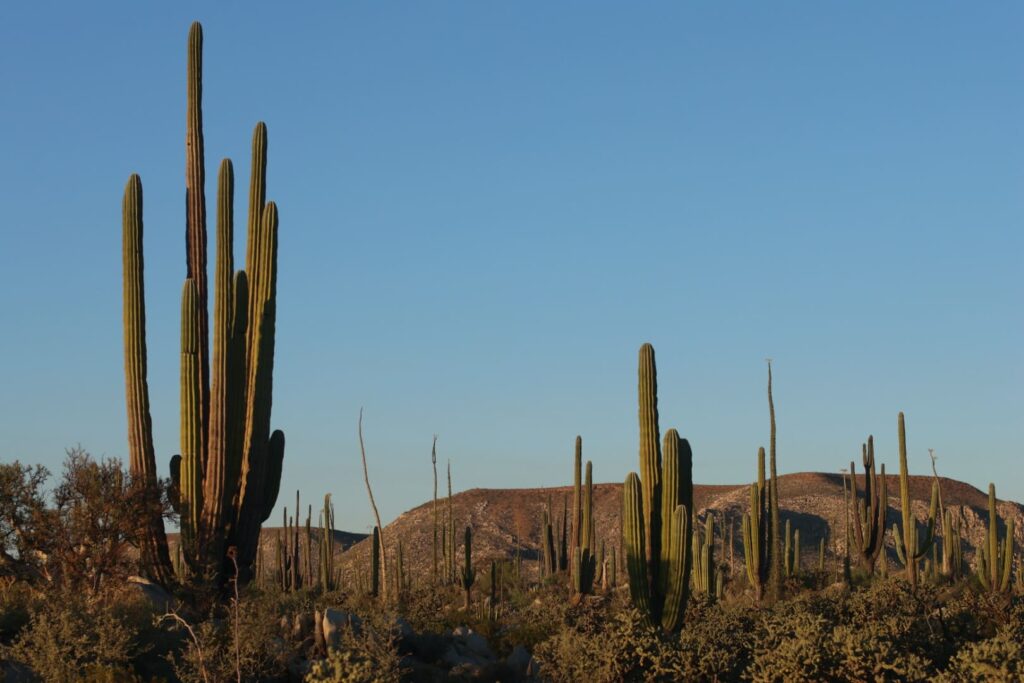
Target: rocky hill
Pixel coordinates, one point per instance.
(507, 520)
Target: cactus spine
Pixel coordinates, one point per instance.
(656, 512)
(995, 564)
(226, 479)
(909, 546)
(869, 514)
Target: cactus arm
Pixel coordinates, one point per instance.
(221, 463)
(650, 457)
(1007, 556)
(191, 417)
(634, 538)
(154, 552)
(678, 593)
(174, 494)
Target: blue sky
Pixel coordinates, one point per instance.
(487, 207)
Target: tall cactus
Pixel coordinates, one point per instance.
(657, 506)
(952, 547)
(869, 514)
(327, 576)
(703, 552)
(910, 547)
(995, 563)
(227, 477)
(757, 546)
(467, 575)
(433, 461)
(582, 561)
(154, 554)
(775, 573)
(375, 563)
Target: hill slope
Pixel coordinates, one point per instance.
(505, 520)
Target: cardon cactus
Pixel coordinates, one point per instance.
(375, 563)
(656, 513)
(227, 476)
(775, 569)
(549, 555)
(995, 563)
(910, 546)
(583, 568)
(703, 552)
(952, 546)
(467, 575)
(757, 545)
(869, 514)
(328, 580)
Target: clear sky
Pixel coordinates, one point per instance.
(487, 207)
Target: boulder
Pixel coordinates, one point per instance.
(334, 621)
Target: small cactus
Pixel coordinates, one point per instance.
(583, 561)
(869, 514)
(757, 546)
(910, 546)
(467, 575)
(375, 563)
(994, 562)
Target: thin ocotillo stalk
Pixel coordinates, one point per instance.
(376, 514)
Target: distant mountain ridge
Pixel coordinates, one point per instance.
(507, 520)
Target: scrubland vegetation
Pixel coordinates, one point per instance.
(93, 589)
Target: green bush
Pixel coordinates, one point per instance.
(368, 657)
(67, 634)
(996, 659)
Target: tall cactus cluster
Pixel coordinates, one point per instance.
(328, 578)
(761, 544)
(869, 514)
(226, 479)
(757, 539)
(703, 553)
(583, 568)
(657, 506)
(911, 546)
(995, 560)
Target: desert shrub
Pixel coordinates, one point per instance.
(1000, 658)
(370, 656)
(68, 633)
(874, 651)
(791, 644)
(715, 644)
(23, 520)
(100, 514)
(263, 651)
(596, 646)
(15, 604)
